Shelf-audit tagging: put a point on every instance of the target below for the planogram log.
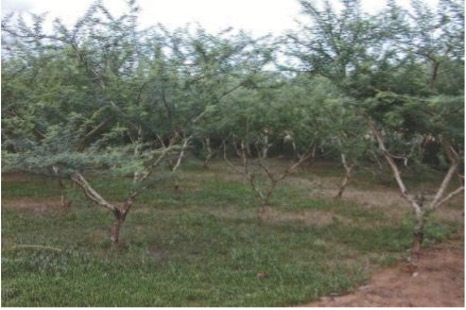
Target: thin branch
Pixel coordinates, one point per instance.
(90, 192)
(84, 139)
(389, 158)
(394, 167)
(310, 153)
(35, 247)
(153, 162)
(181, 154)
(245, 172)
(443, 186)
(449, 196)
(454, 162)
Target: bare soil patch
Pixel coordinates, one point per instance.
(436, 281)
(16, 176)
(38, 206)
(309, 218)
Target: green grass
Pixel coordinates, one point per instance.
(35, 187)
(201, 246)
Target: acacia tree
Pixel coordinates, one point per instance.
(337, 44)
(436, 37)
(106, 96)
(438, 119)
(83, 103)
(271, 119)
(432, 112)
(349, 141)
(395, 65)
(345, 46)
(229, 67)
(210, 68)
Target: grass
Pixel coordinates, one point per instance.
(201, 246)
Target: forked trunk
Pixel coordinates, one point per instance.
(120, 216)
(420, 209)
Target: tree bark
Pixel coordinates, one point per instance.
(120, 216)
(418, 234)
(90, 192)
(435, 70)
(347, 178)
(115, 231)
(119, 213)
(65, 203)
(420, 209)
(206, 143)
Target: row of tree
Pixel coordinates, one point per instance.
(106, 95)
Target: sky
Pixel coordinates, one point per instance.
(257, 16)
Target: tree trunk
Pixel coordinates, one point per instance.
(435, 70)
(347, 178)
(418, 235)
(115, 231)
(417, 202)
(65, 203)
(120, 216)
(206, 143)
(119, 213)
(342, 187)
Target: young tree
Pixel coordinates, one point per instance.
(104, 96)
(439, 119)
(395, 65)
(431, 44)
(350, 141)
(298, 116)
(80, 103)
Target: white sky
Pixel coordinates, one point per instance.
(259, 16)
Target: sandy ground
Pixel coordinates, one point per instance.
(436, 281)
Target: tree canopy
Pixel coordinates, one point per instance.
(107, 96)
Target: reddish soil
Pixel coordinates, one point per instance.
(37, 205)
(437, 280)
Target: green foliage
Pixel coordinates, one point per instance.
(108, 90)
(111, 101)
(103, 84)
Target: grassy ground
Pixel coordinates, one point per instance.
(200, 246)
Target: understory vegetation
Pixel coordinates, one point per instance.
(200, 245)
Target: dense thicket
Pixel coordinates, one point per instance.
(104, 95)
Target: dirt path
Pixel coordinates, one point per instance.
(438, 281)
